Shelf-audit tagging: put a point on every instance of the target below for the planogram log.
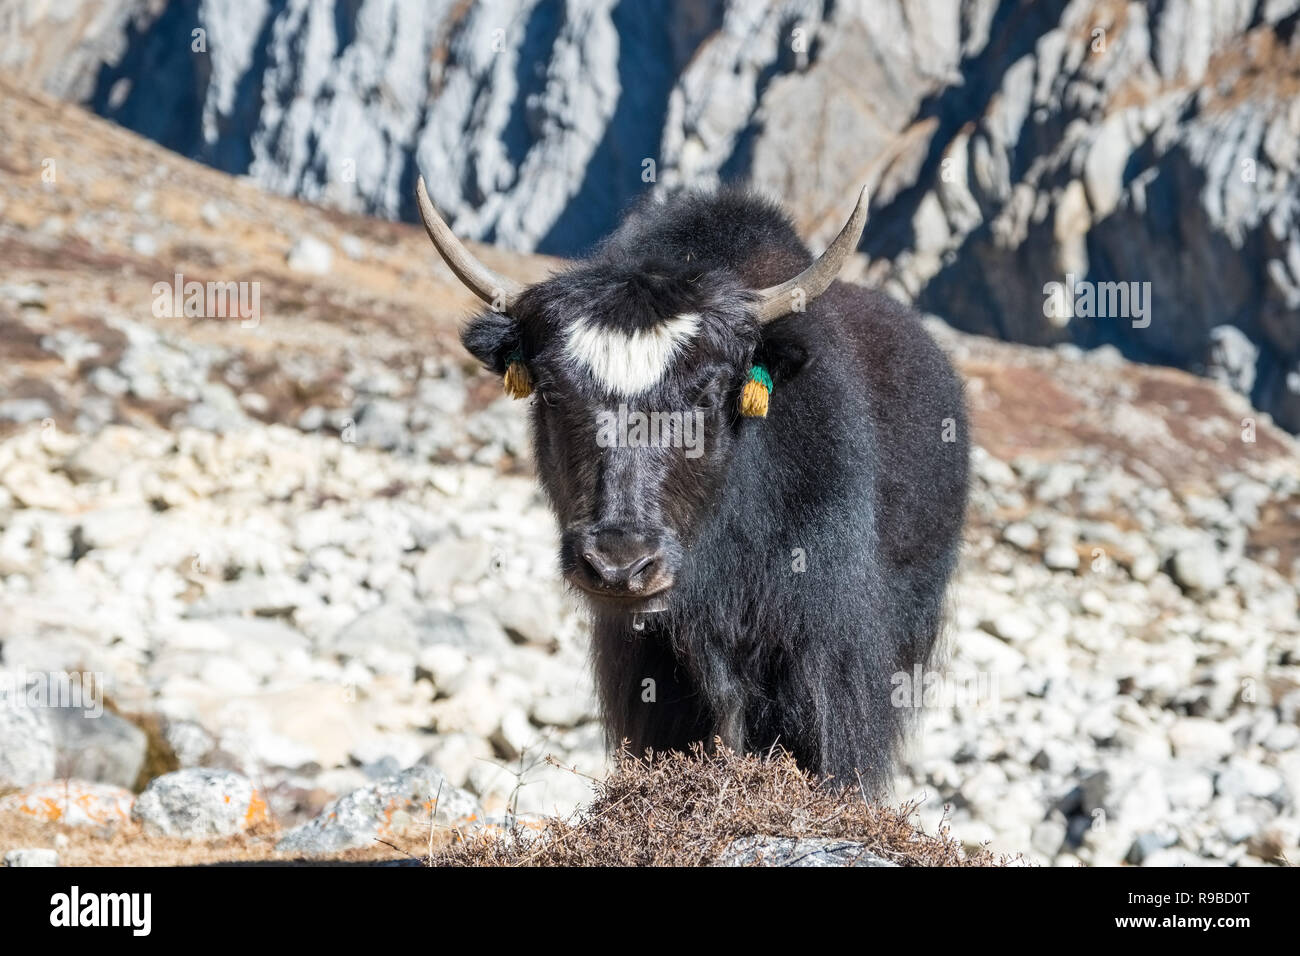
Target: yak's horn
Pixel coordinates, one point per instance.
(775, 301)
(496, 290)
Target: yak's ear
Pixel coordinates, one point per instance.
(491, 338)
(782, 354)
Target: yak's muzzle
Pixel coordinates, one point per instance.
(621, 564)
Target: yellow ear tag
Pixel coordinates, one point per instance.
(518, 383)
(754, 397)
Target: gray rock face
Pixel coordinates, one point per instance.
(1201, 152)
(382, 809)
(791, 851)
(528, 123)
(1003, 152)
(27, 751)
(102, 749)
(1233, 358)
(199, 802)
(65, 43)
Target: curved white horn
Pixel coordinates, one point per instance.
(775, 302)
(496, 290)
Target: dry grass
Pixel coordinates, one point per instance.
(667, 810)
(129, 845)
(685, 809)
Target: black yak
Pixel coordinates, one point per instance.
(774, 576)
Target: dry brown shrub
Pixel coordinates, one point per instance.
(680, 809)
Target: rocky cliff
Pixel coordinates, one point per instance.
(1008, 145)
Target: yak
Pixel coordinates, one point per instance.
(781, 581)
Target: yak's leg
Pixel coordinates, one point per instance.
(731, 727)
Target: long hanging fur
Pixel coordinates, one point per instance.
(816, 544)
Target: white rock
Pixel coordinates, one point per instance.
(1014, 627)
(532, 616)
(1189, 787)
(564, 710)
(1049, 836)
(32, 857)
(1238, 828)
(1199, 569)
(269, 595)
(457, 754)
(476, 709)
(1094, 602)
(1175, 856)
(310, 254)
(1022, 534)
(450, 562)
(189, 741)
(986, 650)
(1061, 557)
(1283, 737)
(515, 734)
(1199, 739)
(1243, 778)
(115, 527)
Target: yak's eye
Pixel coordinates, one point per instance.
(546, 396)
(711, 391)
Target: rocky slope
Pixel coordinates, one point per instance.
(1006, 144)
(307, 562)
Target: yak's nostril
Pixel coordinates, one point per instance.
(638, 566)
(618, 569)
(598, 567)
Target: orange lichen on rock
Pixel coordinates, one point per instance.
(256, 812)
(73, 802)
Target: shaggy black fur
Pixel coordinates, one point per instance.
(860, 467)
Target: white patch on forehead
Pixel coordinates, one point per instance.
(628, 363)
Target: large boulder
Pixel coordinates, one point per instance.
(199, 802)
(79, 803)
(384, 810)
(27, 750)
(101, 747)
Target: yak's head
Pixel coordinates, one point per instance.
(637, 372)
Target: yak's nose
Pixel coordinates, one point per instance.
(625, 561)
